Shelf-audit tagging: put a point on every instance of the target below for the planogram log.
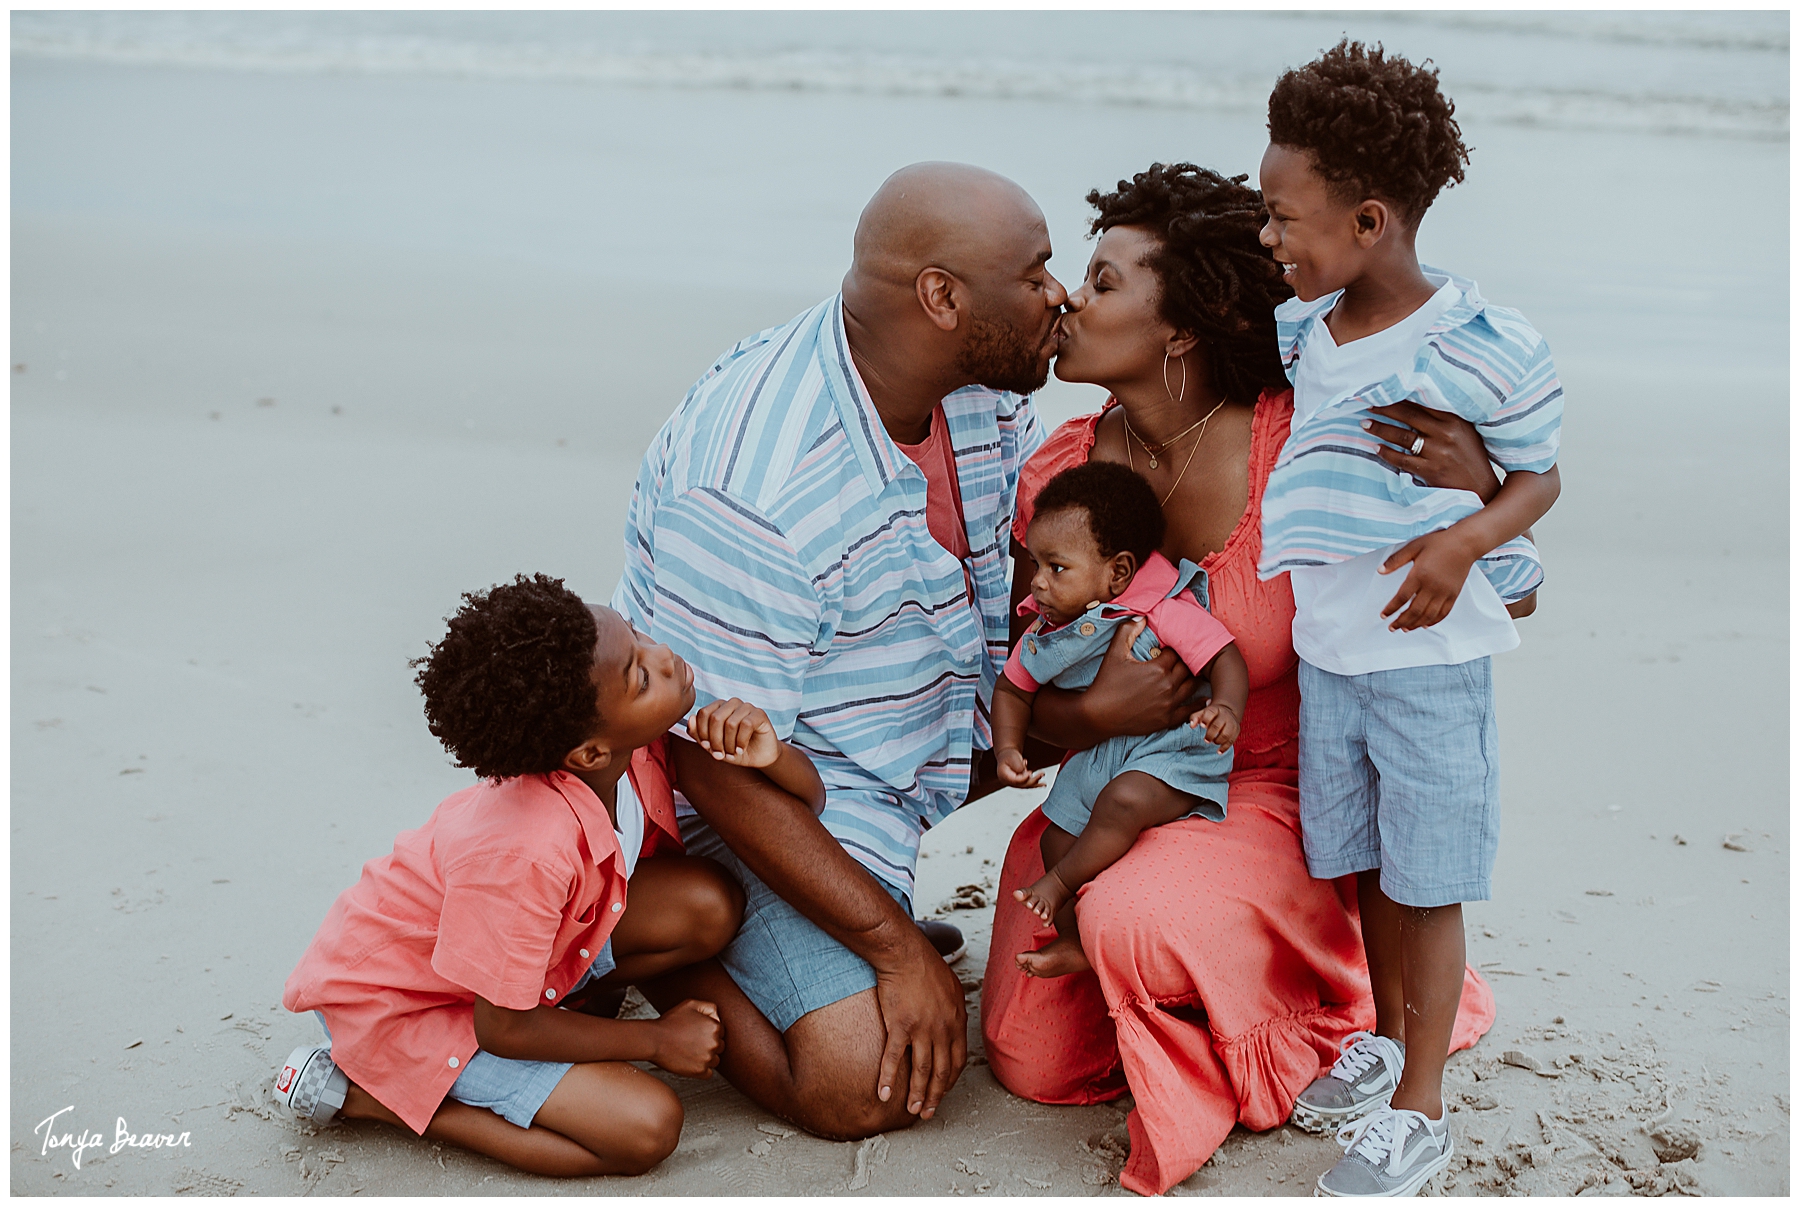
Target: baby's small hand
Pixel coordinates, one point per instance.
(735, 732)
(1014, 770)
(1221, 721)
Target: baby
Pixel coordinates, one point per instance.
(1093, 535)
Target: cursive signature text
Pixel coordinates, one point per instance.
(77, 1143)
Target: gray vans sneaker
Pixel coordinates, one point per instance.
(1389, 1154)
(1362, 1080)
(310, 1085)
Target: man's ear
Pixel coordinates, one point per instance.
(1124, 565)
(940, 296)
(592, 755)
(1372, 221)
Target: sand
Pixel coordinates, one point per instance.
(254, 464)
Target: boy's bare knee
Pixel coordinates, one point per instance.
(653, 1133)
(718, 903)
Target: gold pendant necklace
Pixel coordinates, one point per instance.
(1131, 465)
(1158, 449)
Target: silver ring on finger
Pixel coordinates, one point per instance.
(1418, 445)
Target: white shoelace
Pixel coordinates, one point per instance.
(1379, 1137)
(1358, 1057)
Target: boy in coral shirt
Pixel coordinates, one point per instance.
(441, 975)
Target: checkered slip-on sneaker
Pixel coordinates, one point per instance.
(310, 1086)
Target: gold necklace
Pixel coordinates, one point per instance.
(1157, 450)
(1131, 465)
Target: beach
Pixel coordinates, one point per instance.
(305, 346)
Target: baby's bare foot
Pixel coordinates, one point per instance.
(1060, 957)
(1044, 897)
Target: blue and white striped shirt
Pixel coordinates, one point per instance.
(777, 541)
(1331, 497)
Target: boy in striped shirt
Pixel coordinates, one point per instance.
(1398, 746)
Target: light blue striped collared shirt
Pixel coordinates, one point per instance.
(1331, 497)
(777, 541)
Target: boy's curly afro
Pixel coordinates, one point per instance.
(509, 690)
(1121, 507)
(1374, 125)
(1219, 283)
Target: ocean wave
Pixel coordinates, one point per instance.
(1681, 30)
(221, 43)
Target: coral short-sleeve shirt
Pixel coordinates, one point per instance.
(508, 892)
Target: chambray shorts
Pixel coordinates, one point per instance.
(1400, 770)
(515, 1090)
(784, 964)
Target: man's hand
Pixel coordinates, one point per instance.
(1014, 771)
(1441, 562)
(736, 733)
(783, 843)
(922, 1008)
(689, 1039)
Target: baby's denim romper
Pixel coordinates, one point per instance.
(1069, 657)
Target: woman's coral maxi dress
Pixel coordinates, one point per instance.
(1224, 977)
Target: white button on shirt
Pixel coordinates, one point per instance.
(454, 1062)
(550, 993)
(584, 954)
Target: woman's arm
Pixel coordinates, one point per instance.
(1127, 697)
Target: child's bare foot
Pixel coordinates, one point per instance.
(1044, 897)
(1062, 956)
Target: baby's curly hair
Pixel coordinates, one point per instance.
(1121, 507)
(1373, 124)
(1219, 283)
(509, 690)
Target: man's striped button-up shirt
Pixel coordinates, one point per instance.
(777, 541)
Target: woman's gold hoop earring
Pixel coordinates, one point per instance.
(1172, 397)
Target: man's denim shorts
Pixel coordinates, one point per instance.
(515, 1090)
(1400, 770)
(784, 964)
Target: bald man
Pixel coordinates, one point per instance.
(821, 529)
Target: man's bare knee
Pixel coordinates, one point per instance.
(852, 1116)
(835, 1053)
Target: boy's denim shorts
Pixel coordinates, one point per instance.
(784, 964)
(1400, 770)
(515, 1090)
